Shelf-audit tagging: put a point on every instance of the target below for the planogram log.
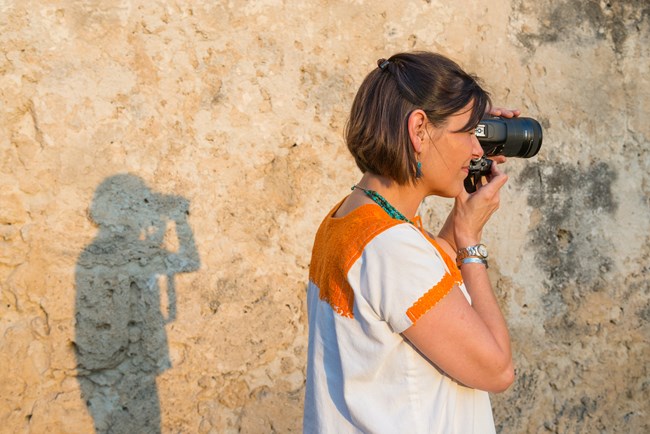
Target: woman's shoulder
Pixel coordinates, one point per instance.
(402, 236)
(355, 228)
(403, 242)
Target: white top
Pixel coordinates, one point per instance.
(362, 374)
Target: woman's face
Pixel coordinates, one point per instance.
(448, 154)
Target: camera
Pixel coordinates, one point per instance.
(510, 137)
(171, 206)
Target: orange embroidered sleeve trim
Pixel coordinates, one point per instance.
(431, 298)
(438, 291)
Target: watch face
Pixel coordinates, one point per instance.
(482, 250)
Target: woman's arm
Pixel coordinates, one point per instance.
(470, 343)
(186, 259)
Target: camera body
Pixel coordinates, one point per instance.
(510, 137)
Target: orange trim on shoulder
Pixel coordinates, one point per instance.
(339, 243)
(439, 290)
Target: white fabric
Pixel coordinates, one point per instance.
(363, 376)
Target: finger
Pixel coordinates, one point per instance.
(504, 112)
(497, 181)
(496, 171)
(495, 111)
(509, 113)
(499, 159)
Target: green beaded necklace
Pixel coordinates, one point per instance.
(383, 203)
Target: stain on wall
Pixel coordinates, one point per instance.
(609, 21)
(585, 300)
(570, 200)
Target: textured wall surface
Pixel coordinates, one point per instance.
(165, 165)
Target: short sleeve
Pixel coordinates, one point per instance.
(402, 275)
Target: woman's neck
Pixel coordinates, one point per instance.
(405, 198)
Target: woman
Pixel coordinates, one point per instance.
(401, 338)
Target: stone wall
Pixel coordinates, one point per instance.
(165, 165)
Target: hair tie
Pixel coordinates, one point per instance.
(383, 63)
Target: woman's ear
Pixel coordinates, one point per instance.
(417, 125)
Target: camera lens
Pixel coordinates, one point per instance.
(512, 137)
(523, 139)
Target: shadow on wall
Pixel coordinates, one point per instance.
(125, 296)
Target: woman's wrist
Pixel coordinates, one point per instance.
(473, 254)
(466, 238)
(462, 242)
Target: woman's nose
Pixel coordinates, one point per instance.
(477, 149)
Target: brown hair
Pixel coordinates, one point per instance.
(377, 130)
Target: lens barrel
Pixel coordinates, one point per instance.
(510, 137)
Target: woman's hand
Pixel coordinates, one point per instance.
(449, 234)
(472, 211)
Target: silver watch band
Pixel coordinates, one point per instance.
(473, 260)
(477, 251)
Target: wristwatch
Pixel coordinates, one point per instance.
(478, 251)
